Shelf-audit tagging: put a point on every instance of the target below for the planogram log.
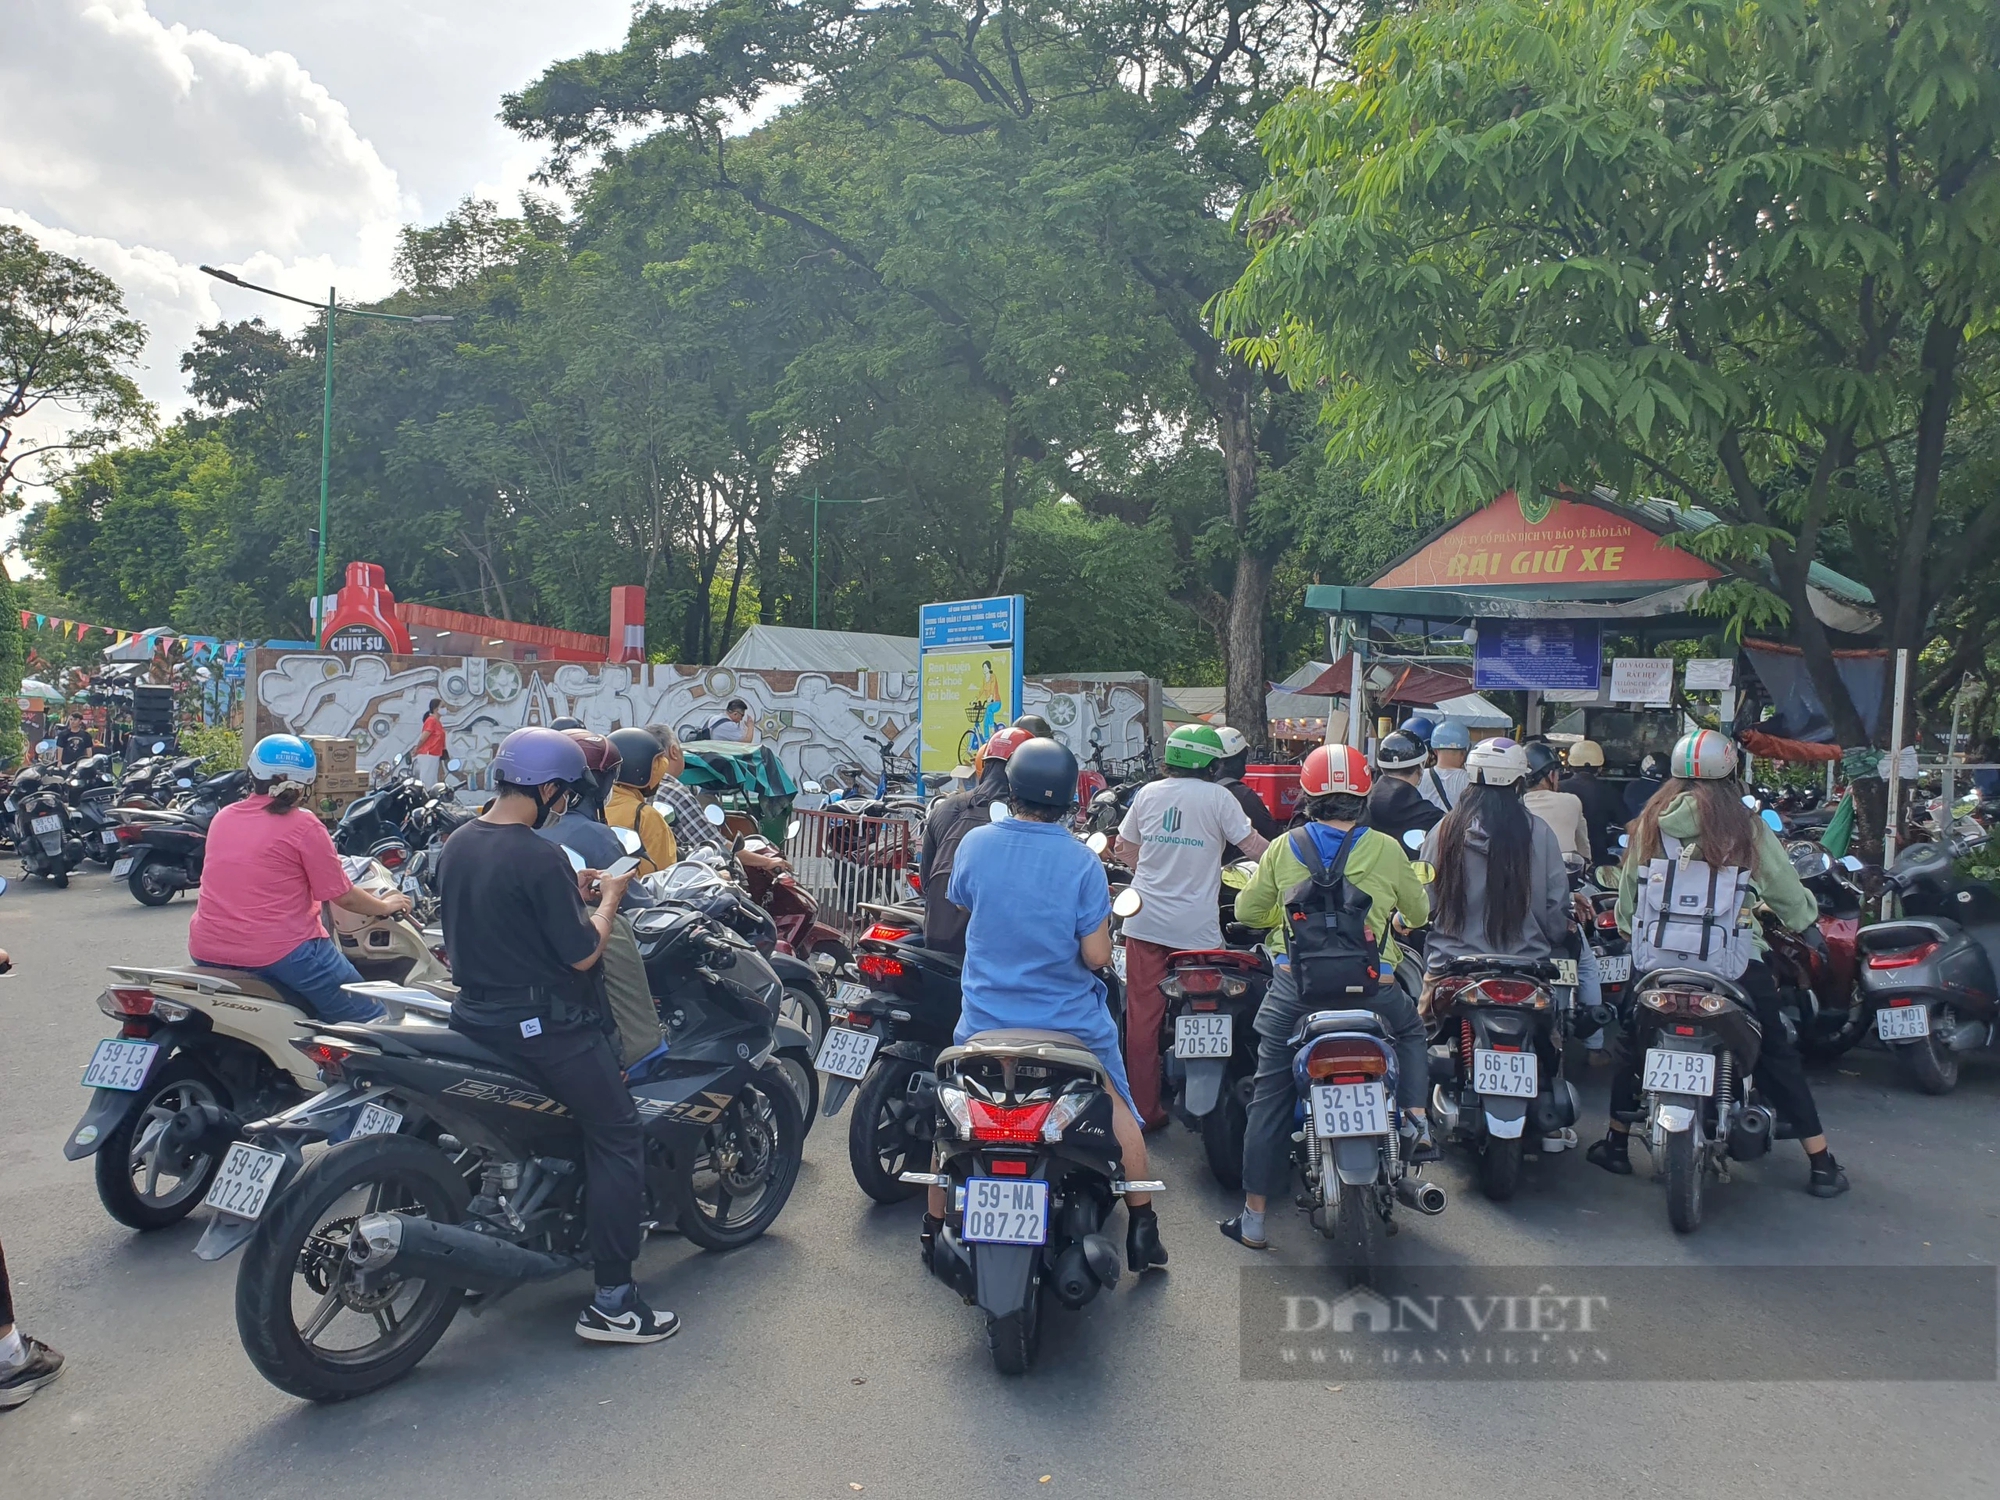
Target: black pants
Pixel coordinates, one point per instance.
(6, 1293)
(1267, 1136)
(1780, 1072)
(579, 1069)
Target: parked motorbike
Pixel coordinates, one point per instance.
(200, 1048)
(772, 885)
(1927, 979)
(161, 855)
(91, 791)
(1700, 1108)
(45, 833)
(450, 1172)
(1816, 972)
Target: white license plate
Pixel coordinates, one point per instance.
(1204, 1035)
(1118, 961)
(1565, 971)
(375, 1120)
(1615, 969)
(244, 1184)
(847, 1054)
(1006, 1211)
(1679, 1072)
(119, 1065)
(123, 868)
(109, 837)
(1510, 1073)
(850, 994)
(1899, 1023)
(1341, 1109)
(51, 824)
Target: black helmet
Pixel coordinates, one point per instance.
(1043, 773)
(1035, 724)
(637, 750)
(1400, 750)
(1542, 759)
(566, 722)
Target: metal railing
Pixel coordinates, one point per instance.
(844, 860)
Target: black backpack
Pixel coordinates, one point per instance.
(1334, 954)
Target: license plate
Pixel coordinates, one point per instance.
(244, 1184)
(1001, 1211)
(1341, 1109)
(847, 1054)
(1565, 971)
(109, 837)
(123, 868)
(1900, 1023)
(119, 1065)
(850, 994)
(1615, 970)
(1118, 961)
(375, 1120)
(1511, 1073)
(1679, 1072)
(1204, 1036)
(50, 824)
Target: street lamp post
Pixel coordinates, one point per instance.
(818, 501)
(330, 307)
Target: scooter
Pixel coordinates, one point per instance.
(161, 855)
(44, 828)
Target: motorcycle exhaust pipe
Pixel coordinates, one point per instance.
(1074, 1282)
(1424, 1197)
(450, 1253)
(1102, 1257)
(1967, 1036)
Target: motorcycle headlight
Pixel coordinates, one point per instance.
(953, 1101)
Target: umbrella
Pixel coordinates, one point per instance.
(34, 687)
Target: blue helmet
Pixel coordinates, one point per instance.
(1418, 728)
(283, 757)
(1451, 735)
(535, 756)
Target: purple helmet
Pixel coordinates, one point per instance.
(533, 757)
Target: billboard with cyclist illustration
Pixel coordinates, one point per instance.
(969, 660)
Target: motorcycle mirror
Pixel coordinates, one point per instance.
(961, 773)
(1413, 838)
(184, 782)
(1097, 843)
(714, 816)
(1126, 903)
(1624, 841)
(628, 840)
(1573, 863)
(998, 812)
(792, 830)
(575, 859)
(3, 885)
(1750, 802)
(1425, 873)
(1772, 821)
(810, 786)
(667, 811)
(454, 765)
(1850, 864)
(159, 746)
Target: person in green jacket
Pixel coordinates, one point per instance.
(1701, 806)
(1334, 784)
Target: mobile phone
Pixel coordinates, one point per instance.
(623, 866)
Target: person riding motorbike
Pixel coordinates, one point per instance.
(1640, 790)
(1229, 775)
(1418, 728)
(1395, 805)
(269, 864)
(945, 829)
(1172, 840)
(526, 959)
(1039, 926)
(1444, 782)
(1037, 726)
(1562, 811)
(1701, 807)
(581, 828)
(1603, 804)
(1333, 787)
(642, 764)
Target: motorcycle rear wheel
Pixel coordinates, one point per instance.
(1222, 1131)
(758, 1142)
(131, 1147)
(1685, 1174)
(1017, 1338)
(147, 889)
(1500, 1167)
(797, 1065)
(878, 1138)
(300, 1244)
(1933, 1065)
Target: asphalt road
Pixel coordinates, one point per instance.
(823, 1362)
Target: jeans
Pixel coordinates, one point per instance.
(315, 972)
(1273, 1099)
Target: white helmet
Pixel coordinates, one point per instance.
(1497, 762)
(283, 757)
(1703, 756)
(1233, 743)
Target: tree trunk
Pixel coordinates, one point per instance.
(1244, 688)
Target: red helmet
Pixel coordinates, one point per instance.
(1335, 768)
(601, 761)
(1005, 742)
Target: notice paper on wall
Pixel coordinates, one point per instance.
(1642, 679)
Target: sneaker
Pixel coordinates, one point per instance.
(1613, 1153)
(21, 1382)
(1827, 1181)
(1143, 1249)
(634, 1323)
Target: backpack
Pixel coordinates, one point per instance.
(1689, 916)
(1334, 954)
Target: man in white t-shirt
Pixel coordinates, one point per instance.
(1444, 781)
(1173, 838)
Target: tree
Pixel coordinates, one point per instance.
(13, 653)
(1744, 255)
(66, 343)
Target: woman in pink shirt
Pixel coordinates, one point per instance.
(268, 866)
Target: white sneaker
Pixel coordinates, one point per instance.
(635, 1323)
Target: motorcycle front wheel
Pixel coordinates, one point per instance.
(736, 1183)
(306, 1324)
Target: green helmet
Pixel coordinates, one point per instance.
(1194, 746)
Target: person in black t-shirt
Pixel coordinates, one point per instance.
(1395, 805)
(525, 956)
(74, 743)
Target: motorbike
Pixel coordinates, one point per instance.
(45, 833)
(1700, 1109)
(1816, 977)
(768, 876)
(447, 1172)
(91, 790)
(1212, 997)
(160, 855)
(200, 1048)
(1927, 979)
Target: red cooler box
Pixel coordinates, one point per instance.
(1278, 786)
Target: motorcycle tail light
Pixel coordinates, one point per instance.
(1607, 921)
(120, 1000)
(1510, 992)
(882, 932)
(880, 967)
(916, 881)
(1204, 1005)
(1199, 981)
(1902, 958)
(1332, 1058)
(129, 833)
(392, 859)
(1066, 1109)
(957, 1108)
(1018, 1123)
(1685, 1002)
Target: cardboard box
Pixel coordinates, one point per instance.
(336, 757)
(332, 793)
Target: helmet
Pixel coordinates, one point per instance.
(1542, 759)
(1418, 728)
(1702, 756)
(1401, 751)
(1041, 771)
(1497, 762)
(1233, 742)
(637, 750)
(536, 756)
(1195, 746)
(283, 757)
(1335, 768)
(1006, 741)
(1586, 753)
(566, 723)
(601, 761)
(1036, 725)
(1451, 735)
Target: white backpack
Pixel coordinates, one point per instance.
(1690, 916)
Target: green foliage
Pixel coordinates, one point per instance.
(13, 654)
(220, 748)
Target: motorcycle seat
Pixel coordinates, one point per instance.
(1322, 1022)
(253, 985)
(434, 1041)
(1057, 1047)
(1489, 963)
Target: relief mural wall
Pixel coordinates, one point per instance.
(816, 721)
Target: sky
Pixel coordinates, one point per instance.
(284, 140)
